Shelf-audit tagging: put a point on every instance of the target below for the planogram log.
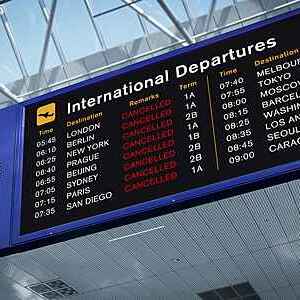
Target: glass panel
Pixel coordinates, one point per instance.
(74, 29)
(200, 10)
(220, 4)
(137, 47)
(198, 7)
(269, 4)
(153, 9)
(247, 8)
(119, 27)
(102, 6)
(225, 13)
(178, 9)
(29, 29)
(78, 39)
(180, 13)
(9, 69)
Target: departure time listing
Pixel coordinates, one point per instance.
(205, 116)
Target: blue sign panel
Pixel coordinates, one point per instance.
(8, 140)
(200, 120)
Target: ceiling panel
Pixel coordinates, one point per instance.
(286, 293)
(241, 218)
(251, 270)
(265, 216)
(181, 240)
(225, 231)
(230, 270)
(163, 262)
(289, 263)
(268, 263)
(201, 233)
(286, 210)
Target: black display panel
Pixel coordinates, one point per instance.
(198, 118)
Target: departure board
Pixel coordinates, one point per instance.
(202, 116)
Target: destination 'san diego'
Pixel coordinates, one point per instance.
(201, 117)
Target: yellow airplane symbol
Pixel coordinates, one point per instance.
(46, 114)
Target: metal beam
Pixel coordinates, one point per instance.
(47, 37)
(108, 11)
(97, 31)
(157, 50)
(235, 5)
(188, 13)
(210, 15)
(145, 30)
(13, 44)
(6, 92)
(175, 21)
(4, 1)
(56, 42)
(151, 20)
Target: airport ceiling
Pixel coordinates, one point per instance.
(250, 241)
(39, 51)
(244, 247)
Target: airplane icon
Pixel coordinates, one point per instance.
(46, 115)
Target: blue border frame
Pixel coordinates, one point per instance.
(8, 142)
(152, 204)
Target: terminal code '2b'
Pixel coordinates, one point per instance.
(197, 123)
